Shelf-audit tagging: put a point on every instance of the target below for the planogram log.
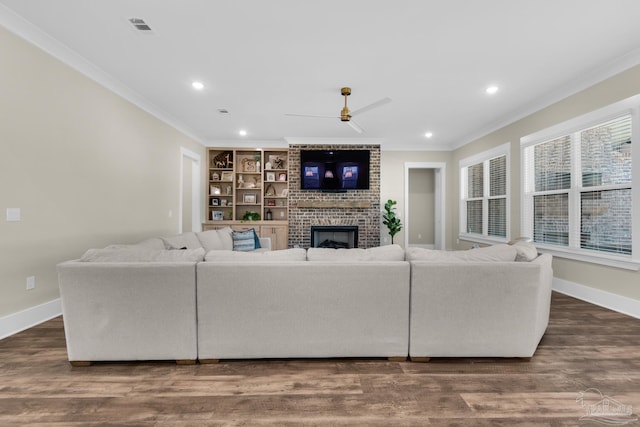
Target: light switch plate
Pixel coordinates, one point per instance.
(13, 214)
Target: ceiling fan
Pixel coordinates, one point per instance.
(345, 114)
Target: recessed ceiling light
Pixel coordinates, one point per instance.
(492, 89)
(197, 85)
(242, 133)
(428, 134)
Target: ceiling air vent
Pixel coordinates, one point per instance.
(140, 25)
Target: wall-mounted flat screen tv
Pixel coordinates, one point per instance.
(334, 170)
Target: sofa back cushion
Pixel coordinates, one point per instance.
(143, 255)
(152, 243)
(526, 251)
(500, 252)
(379, 253)
(216, 240)
(292, 254)
(187, 240)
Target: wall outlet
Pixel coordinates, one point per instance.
(31, 282)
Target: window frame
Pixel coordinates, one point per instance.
(485, 157)
(572, 127)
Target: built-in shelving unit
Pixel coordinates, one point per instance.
(249, 188)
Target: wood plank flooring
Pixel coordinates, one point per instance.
(585, 347)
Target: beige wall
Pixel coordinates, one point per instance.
(86, 167)
(621, 86)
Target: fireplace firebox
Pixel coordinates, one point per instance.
(334, 236)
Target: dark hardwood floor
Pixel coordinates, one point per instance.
(585, 347)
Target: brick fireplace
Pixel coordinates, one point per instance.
(309, 208)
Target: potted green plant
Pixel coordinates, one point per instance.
(392, 222)
(251, 216)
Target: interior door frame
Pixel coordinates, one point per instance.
(439, 170)
(195, 189)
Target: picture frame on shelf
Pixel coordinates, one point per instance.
(217, 215)
(249, 198)
(223, 202)
(271, 202)
(271, 176)
(249, 165)
(284, 193)
(282, 177)
(277, 161)
(227, 176)
(215, 201)
(214, 190)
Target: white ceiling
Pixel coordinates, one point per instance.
(261, 59)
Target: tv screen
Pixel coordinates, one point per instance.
(334, 170)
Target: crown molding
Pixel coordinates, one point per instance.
(32, 34)
(572, 87)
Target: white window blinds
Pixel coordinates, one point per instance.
(484, 198)
(578, 189)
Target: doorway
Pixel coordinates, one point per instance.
(424, 205)
(189, 213)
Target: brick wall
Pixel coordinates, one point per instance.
(355, 207)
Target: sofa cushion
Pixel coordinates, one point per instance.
(494, 253)
(378, 253)
(292, 254)
(526, 251)
(220, 239)
(187, 240)
(143, 255)
(245, 240)
(152, 243)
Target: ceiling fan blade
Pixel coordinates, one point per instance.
(310, 115)
(355, 126)
(371, 106)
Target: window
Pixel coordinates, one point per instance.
(578, 187)
(484, 213)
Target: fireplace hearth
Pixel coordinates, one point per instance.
(334, 236)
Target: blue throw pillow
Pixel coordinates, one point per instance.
(256, 238)
(245, 240)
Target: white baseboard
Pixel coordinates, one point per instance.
(599, 297)
(16, 322)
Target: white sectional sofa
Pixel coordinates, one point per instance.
(478, 303)
(325, 303)
(129, 310)
(191, 297)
